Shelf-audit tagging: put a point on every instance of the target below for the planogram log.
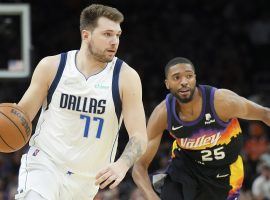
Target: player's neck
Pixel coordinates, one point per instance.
(87, 64)
(191, 108)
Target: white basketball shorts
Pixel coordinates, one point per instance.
(40, 174)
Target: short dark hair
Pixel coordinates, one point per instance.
(177, 60)
(91, 14)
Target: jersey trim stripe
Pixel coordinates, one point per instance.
(169, 125)
(114, 143)
(26, 169)
(115, 89)
(57, 78)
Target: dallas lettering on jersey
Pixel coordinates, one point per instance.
(82, 104)
(195, 143)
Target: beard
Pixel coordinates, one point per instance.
(98, 54)
(186, 99)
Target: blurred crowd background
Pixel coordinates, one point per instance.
(227, 40)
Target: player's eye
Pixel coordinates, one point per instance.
(176, 78)
(107, 34)
(189, 76)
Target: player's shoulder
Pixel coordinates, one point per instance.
(129, 74)
(225, 103)
(223, 92)
(161, 109)
(50, 61)
(224, 95)
(127, 69)
(47, 65)
(159, 116)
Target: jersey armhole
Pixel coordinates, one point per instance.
(115, 88)
(57, 78)
(219, 121)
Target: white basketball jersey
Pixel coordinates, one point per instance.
(80, 119)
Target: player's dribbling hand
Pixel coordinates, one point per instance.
(111, 175)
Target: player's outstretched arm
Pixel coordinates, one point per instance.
(156, 125)
(230, 105)
(135, 123)
(40, 83)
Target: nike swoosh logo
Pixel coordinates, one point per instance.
(222, 176)
(176, 128)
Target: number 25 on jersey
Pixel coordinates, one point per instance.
(215, 154)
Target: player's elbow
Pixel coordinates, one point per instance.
(137, 144)
(144, 142)
(135, 171)
(138, 169)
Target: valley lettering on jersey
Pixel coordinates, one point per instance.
(82, 104)
(194, 143)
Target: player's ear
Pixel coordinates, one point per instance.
(167, 84)
(85, 34)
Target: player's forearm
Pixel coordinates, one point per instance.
(141, 178)
(134, 149)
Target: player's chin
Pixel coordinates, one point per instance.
(109, 58)
(184, 99)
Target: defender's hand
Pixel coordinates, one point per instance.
(112, 174)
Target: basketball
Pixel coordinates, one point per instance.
(15, 128)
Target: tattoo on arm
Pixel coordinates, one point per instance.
(132, 152)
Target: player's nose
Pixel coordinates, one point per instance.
(184, 82)
(114, 40)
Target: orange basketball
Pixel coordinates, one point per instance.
(15, 128)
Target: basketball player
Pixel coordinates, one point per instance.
(208, 139)
(85, 94)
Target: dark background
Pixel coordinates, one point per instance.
(227, 40)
